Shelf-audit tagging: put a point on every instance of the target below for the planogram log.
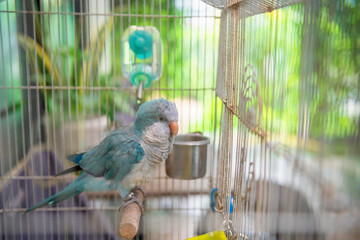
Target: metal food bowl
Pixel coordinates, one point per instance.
(188, 157)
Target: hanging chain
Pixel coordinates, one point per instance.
(229, 230)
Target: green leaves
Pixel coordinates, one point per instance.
(67, 66)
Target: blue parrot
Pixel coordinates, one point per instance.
(127, 158)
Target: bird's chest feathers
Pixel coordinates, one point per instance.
(157, 143)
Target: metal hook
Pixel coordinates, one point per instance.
(139, 94)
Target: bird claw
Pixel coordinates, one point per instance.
(132, 199)
(135, 200)
(129, 197)
(141, 190)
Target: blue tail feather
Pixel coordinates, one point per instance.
(68, 192)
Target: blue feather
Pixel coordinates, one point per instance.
(71, 190)
(75, 158)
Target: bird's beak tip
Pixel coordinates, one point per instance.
(174, 128)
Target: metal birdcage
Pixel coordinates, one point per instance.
(274, 85)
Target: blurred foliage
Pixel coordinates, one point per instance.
(9, 72)
(337, 72)
(309, 63)
(67, 58)
(67, 53)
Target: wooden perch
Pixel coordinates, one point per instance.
(130, 219)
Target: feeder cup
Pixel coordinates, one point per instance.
(188, 158)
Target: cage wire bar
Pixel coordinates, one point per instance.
(266, 102)
(72, 92)
(279, 192)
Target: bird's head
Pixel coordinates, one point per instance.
(160, 111)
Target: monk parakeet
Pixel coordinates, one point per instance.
(126, 158)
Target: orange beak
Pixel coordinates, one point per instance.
(174, 128)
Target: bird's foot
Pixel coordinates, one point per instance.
(134, 200)
(131, 198)
(141, 190)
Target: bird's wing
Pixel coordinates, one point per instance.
(114, 157)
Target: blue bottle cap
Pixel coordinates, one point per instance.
(142, 73)
(141, 43)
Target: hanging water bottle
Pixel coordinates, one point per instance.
(141, 56)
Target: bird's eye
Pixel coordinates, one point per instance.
(161, 119)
